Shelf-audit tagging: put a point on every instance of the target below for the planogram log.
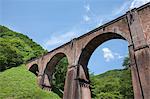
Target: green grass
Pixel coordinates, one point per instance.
(19, 83)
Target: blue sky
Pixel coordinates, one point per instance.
(52, 23)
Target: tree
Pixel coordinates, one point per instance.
(59, 76)
(8, 56)
(16, 48)
(126, 62)
(3, 29)
(126, 88)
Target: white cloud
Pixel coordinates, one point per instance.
(99, 22)
(109, 55)
(91, 18)
(87, 7)
(130, 4)
(137, 3)
(124, 7)
(86, 18)
(118, 56)
(60, 39)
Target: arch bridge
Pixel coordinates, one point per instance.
(134, 27)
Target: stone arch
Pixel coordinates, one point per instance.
(34, 69)
(90, 48)
(86, 53)
(49, 70)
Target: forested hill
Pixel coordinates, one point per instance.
(18, 82)
(113, 84)
(16, 48)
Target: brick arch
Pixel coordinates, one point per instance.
(54, 60)
(34, 69)
(49, 70)
(90, 48)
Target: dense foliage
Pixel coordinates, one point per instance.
(114, 84)
(8, 56)
(19, 83)
(59, 76)
(16, 48)
(126, 62)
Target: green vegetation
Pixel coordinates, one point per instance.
(8, 56)
(16, 48)
(126, 62)
(19, 83)
(59, 76)
(113, 84)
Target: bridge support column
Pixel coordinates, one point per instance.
(135, 75)
(39, 79)
(46, 83)
(43, 82)
(71, 89)
(85, 89)
(140, 68)
(75, 87)
(140, 57)
(143, 64)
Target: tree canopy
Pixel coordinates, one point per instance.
(16, 48)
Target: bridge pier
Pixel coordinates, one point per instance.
(140, 67)
(143, 65)
(135, 75)
(44, 82)
(85, 89)
(71, 85)
(75, 86)
(139, 56)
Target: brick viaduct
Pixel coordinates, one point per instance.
(134, 27)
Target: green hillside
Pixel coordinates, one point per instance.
(113, 84)
(19, 83)
(16, 48)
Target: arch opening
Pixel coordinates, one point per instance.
(91, 47)
(88, 51)
(34, 69)
(55, 73)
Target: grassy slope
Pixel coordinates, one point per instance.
(19, 83)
